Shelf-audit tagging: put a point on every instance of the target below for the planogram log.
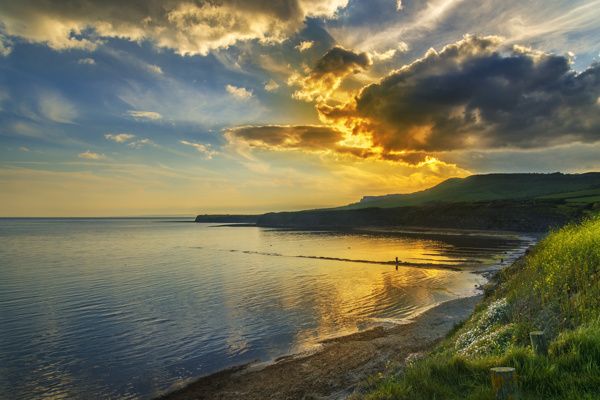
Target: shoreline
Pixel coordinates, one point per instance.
(336, 370)
(341, 366)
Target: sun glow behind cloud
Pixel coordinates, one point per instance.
(260, 106)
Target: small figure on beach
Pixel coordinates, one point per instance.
(396, 263)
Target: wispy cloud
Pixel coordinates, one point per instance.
(6, 45)
(138, 144)
(202, 148)
(155, 69)
(144, 115)
(272, 86)
(88, 155)
(55, 107)
(88, 61)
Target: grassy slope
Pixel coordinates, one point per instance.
(493, 187)
(556, 289)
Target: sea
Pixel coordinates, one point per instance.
(131, 308)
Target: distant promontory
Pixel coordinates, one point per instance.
(513, 202)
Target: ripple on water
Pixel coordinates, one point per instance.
(127, 308)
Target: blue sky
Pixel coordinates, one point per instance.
(112, 108)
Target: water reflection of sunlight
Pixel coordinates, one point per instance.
(352, 246)
(364, 296)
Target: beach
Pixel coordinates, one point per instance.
(339, 368)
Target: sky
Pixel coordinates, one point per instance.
(154, 107)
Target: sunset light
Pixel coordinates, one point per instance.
(299, 199)
(143, 108)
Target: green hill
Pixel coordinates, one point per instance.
(516, 202)
(576, 188)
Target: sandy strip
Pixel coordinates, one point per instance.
(338, 369)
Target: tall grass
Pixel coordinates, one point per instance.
(556, 289)
(564, 272)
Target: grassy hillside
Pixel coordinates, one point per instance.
(528, 216)
(555, 289)
(478, 188)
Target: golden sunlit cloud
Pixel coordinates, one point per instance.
(328, 74)
(187, 27)
(304, 45)
(472, 95)
(324, 140)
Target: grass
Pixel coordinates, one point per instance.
(556, 288)
(580, 197)
(482, 188)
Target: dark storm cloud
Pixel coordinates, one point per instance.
(477, 93)
(339, 61)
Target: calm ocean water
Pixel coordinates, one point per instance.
(129, 308)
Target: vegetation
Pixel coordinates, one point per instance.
(510, 215)
(555, 289)
(481, 188)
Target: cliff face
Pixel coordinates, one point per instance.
(511, 216)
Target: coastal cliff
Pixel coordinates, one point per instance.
(523, 216)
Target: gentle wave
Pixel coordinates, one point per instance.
(129, 308)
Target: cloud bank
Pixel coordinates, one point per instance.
(476, 94)
(186, 27)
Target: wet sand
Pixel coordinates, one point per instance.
(339, 368)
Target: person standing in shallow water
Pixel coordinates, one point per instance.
(396, 263)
